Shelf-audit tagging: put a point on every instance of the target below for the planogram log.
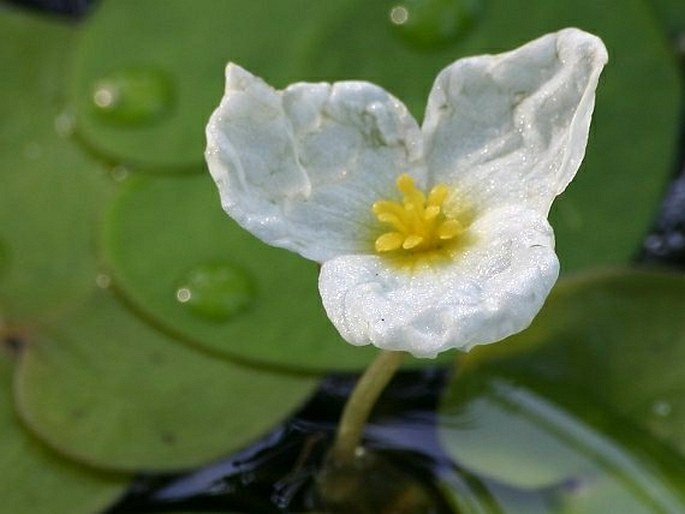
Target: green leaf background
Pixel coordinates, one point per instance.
(106, 208)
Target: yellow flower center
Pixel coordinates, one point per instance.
(417, 223)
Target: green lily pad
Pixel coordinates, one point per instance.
(50, 192)
(585, 401)
(105, 388)
(614, 336)
(175, 254)
(632, 139)
(50, 198)
(505, 432)
(539, 458)
(38, 480)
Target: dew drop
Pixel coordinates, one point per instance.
(64, 124)
(662, 408)
(216, 291)
(434, 23)
(183, 295)
(134, 96)
(399, 15)
(119, 173)
(103, 281)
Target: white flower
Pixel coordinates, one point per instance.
(431, 237)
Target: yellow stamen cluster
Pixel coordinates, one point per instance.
(419, 224)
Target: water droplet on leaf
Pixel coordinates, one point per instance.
(133, 96)
(119, 173)
(399, 15)
(183, 295)
(216, 291)
(64, 124)
(103, 281)
(432, 23)
(662, 408)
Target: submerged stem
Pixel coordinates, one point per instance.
(359, 405)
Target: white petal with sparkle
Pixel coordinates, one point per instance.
(490, 291)
(300, 168)
(512, 128)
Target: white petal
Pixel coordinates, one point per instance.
(301, 168)
(513, 127)
(492, 290)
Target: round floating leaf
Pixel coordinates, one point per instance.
(504, 432)
(35, 478)
(179, 258)
(526, 449)
(50, 193)
(615, 337)
(105, 388)
(568, 404)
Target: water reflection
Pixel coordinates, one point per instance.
(528, 450)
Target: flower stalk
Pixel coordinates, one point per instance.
(358, 407)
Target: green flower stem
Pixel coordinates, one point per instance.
(359, 405)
